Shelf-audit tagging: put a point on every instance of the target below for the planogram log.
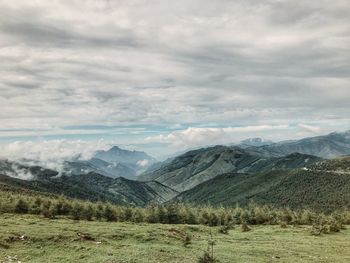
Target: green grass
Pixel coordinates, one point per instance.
(57, 241)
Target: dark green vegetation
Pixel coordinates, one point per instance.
(324, 186)
(17, 200)
(192, 168)
(319, 190)
(321, 185)
(339, 165)
(91, 186)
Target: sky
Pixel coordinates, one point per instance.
(166, 76)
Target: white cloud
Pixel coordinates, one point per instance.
(50, 154)
(199, 137)
(143, 163)
(310, 128)
(194, 137)
(18, 172)
(186, 63)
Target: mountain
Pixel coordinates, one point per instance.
(256, 142)
(324, 186)
(117, 162)
(290, 161)
(328, 146)
(118, 155)
(90, 186)
(96, 165)
(195, 167)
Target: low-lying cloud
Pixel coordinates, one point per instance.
(50, 154)
(197, 137)
(18, 172)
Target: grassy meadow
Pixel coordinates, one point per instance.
(32, 238)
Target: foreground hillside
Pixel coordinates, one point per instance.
(62, 240)
(324, 186)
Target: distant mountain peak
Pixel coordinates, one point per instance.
(257, 141)
(115, 148)
(123, 162)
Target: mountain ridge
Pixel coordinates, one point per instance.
(90, 186)
(326, 146)
(197, 166)
(316, 188)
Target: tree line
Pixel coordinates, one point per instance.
(172, 213)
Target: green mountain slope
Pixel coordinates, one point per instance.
(90, 186)
(195, 167)
(324, 190)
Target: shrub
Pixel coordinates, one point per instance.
(317, 230)
(187, 240)
(62, 207)
(208, 255)
(214, 220)
(48, 212)
(152, 215)
(206, 258)
(77, 211)
(225, 228)
(88, 212)
(21, 207)
(99, 211)
(173, 214)
(335, 226)
(283, 224)
(138, 216)
(245, 227)
(109, 213)
(162, 215)
(35, 207)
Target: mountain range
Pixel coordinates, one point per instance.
(90, 186)
(327, 146)
(115, 162)
(304, 173)
(195, 167)
(323, 186)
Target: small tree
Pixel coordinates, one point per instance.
(99, 211)
(173, 214)
(77, 211)
(187, 240)
(109, 213)
(162, 215)
(208, 256)
(21, 207)
(88, 212)
(245, 227)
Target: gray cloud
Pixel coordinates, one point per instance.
(194, 63)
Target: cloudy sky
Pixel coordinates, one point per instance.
(167, 75)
